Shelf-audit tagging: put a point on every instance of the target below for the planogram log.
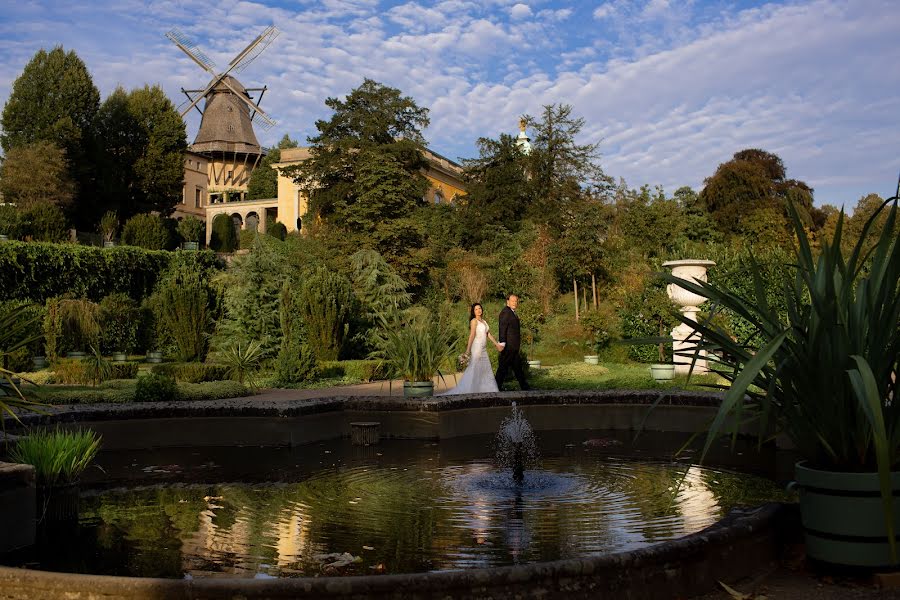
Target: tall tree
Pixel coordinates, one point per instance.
(143, 156)
(561, 169)
(19, 185)
(751, 192)
(497, 189)
(264, 179)
(55, 100)
(365, 173)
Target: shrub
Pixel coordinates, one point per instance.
(223, 237)
(39, 271)
(146, 231)
(79, 321)
(357, 370)
(599, 325)
(11, 221)
(243, 362)
(277, 230)
(119, 321)
(295, 361)
(45, 223)
(326, 303)
(109, 225)
(156, 388)
(29, 318)
(246, 238)
(212, 390)
(70, 371)
(192, 372)
(190, 229)
(182, 302)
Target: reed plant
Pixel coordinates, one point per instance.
(58, 456)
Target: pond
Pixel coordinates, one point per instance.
(397, 507)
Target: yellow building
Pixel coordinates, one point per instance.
(195, 194)
(291, 205)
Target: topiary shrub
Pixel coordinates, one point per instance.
(277, 230)
(192, 372)
(190, 229)
(119, 321)
(146, 231)
(156, 388)
(223, 237)
(326, 303)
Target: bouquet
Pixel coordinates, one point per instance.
(462, 362)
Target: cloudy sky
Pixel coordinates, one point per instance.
(670, 88)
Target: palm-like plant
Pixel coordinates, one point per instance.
(827, 375)
(418, 348)
(19, 327)
(243, 362)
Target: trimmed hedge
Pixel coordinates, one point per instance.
(120, 392)
(72, 371)
(362, 370)
(37, 271)
(192, 372)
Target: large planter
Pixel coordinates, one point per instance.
(662, 372)
(39, 362)
(109, 244)
(75, 354)
(592, 359)
(843, 516)
(119, 357)
(57, 503)
(418, 389)
(154, 357)
(4, 237)
(534, 364)
(191, 245)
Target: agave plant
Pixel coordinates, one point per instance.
(243, 362)
(59, 457)
(419, 348)
(826, 375)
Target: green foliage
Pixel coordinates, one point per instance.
(355, 370)
(247, 238)
(59, 457)
(183, 303)
(277, 230)
(223, 237)
(244, 362)
(144, 140)
(599, 324)
(54, 99)
(648, 314)
(119, 320)
(252, 295)
(11, 222)
(31, 271)
(190, 229)
(264, 178)
(381, 293)
(419, 348)
(18, 329)
(327, 304)
(295, 361)
(146, 231)
(156, 388)
(98, 368)
(79, 321)
(192, 372)
(19, 185)
(45, 224)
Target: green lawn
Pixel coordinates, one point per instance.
(607, 376)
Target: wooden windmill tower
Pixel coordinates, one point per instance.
(226, 135)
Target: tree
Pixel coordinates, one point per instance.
(55, 100)
(561, 170)
(497, 189)
(698, 223)
(264, 178)
(751, 189)
(143, 156)
(581, 251)
(223, 237)
(147, 231)
(19, 185)
(364, 173)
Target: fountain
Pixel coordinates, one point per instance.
(516, 446)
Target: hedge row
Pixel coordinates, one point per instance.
(120, 392)
(36, 271)
(359, 370)
(192, 372)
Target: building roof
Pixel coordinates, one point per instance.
(226, 125)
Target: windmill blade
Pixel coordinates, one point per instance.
(254, 49)
(268, 122)
(190, 48)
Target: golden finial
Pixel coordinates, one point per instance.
(522, 125)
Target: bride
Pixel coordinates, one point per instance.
(478, 377)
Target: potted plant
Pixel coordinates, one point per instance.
(825, 375)
(417, 349)
(119, 319)
(531, 319)
(109, 225)
(596, 326)
(79, 325)
(190, 229)
(662, 371)
(59, 457)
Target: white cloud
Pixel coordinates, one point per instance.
(604, 11)
(520, 11)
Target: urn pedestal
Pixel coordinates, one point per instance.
(685, 337)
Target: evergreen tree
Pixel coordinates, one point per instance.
(55, 100)
(223, 237)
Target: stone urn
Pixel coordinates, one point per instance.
(684, 337)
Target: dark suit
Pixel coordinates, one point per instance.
(509, 356)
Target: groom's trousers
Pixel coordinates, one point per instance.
(510, 359)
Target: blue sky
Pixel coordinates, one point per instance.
(669, 88)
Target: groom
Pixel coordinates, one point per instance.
(509, 345)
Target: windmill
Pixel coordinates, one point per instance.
(226, 135)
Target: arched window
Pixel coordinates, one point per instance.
(438, 197)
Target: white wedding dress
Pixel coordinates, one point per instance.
(478, 377)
